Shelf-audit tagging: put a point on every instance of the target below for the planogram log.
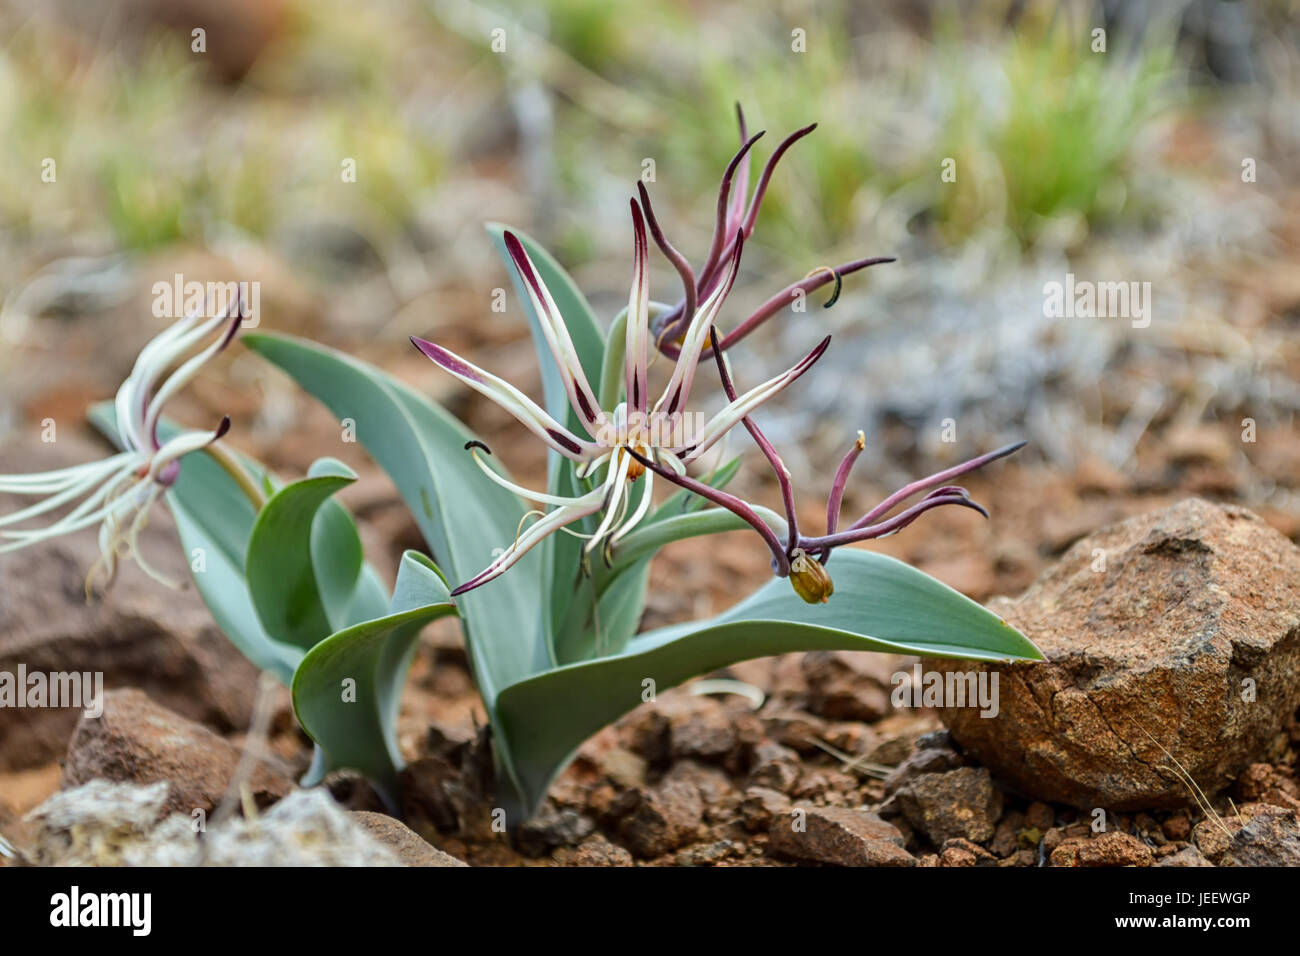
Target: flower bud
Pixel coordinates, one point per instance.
(809, 578)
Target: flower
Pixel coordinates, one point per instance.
(802, 558)
(620, 439)
(118, 492)
(733, 224)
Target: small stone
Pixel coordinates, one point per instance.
(407, 845)
(961, 852)
(623, 767)
(1269, 839)
(1212, 837)
(1177, 826)
(1106, 849)
(844, 685)
(923, 761)
(595, 852)
(795, 729)
(761, 806)
(838, 836)
(707, 854)
(1187, 856)
(959, 803)
(1040, 815)
(138, 741)
(662, 818)
(551, 828)
(774, 766)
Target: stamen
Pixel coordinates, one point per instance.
(839, 284)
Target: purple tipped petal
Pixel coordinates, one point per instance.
(752, 215)
(581, 397)
(889, 526)
(720, 236)
(678, 260)
(933, 481)
(765, 446)
(841, 481)
(724, 500)
(735, 411)
(528, 412)
(637, 337)
(693, 343)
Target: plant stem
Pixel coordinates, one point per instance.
(232, 466)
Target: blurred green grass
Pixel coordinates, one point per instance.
(1045, 132)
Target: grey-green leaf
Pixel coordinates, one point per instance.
(347, 690)
(880, 604)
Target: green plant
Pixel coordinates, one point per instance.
(550, 620)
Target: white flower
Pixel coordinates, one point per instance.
(118, 492)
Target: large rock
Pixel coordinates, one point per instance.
(1194, 608)
(140, 634)
(137, 741)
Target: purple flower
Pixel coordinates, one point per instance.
(622, 439)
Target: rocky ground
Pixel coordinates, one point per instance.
(1088, 763)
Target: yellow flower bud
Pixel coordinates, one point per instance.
(809, 579)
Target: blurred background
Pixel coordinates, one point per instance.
(1169, 158)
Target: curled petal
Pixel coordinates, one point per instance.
(529, 413)
(890, 525)
(550, 523)
(933, 481)
(804, 286)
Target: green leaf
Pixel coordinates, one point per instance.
(347, 690)
(462, 514)
(880, 604)
(214, 520)
(304, 561)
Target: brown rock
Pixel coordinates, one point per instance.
(960, 852)
(794, 728)
(1270, 839)
(138, 741)
(595, 852)
(1177, 826)
(1040, 816)
(406, 844)
(140, 634)
(959, 803)
(761, 806)
(661, 818)
(1106, 849)
(843, 685)
(774, 766)
(553, 827)
(838, 836)
(1187, 856)
(1193, 600)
